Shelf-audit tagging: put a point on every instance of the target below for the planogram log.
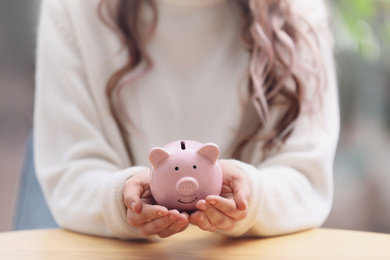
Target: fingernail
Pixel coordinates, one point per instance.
(160, 213)
(212, 202)
(203, 207)
(171, 217)
(201, 218)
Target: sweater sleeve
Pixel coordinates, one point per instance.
(292, 189)
(80, 170)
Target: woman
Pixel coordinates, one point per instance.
(116, 78)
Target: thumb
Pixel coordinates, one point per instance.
(241, 199)
(239, 182)
(132, 191)
(241, 187)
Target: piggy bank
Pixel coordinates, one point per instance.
(184, 172)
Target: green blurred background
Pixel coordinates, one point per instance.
(362, 167)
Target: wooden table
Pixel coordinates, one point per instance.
(59, 244)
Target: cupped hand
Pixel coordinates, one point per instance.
(222, 212)
(143, 213)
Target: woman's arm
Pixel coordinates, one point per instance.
(291, 189)
(81, 162)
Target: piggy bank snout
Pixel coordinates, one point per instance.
(187, 186)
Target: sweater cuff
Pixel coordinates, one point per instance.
(114, 209)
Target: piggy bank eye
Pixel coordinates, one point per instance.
(176, 168)
(194, 166)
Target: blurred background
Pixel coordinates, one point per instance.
(18, 22)
(362, 167)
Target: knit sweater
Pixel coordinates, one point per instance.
(194, 92)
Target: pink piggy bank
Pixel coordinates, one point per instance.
(184, 172)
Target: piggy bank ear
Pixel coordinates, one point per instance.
(156, 155)
(210, 150)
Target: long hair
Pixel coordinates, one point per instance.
(272, 33)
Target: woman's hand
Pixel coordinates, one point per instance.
(143, 212)
(222, 212)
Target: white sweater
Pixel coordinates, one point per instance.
(193, 92)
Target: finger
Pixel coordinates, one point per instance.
(178, 226)
(187, 217)
(199, 219)
(148, 213)
(216, 218)
(188, 221)
(227, 207)
(159, 224)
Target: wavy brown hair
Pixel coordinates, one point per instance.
(273, 34)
